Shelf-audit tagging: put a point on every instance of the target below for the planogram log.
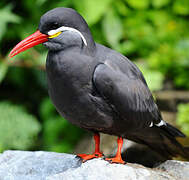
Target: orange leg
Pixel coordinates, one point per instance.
(96, 154)
(117, 158)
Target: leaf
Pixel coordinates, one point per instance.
(92, 11)
(40, 2)
(17, 127)
(159, 17)
(121, 8)
(183, 117)
(138, 4)
(3, 70)
(128, 47)
(47, 109)
(153, 78)
(160, 3)
(56, 134)
(7, 17)
(112, 28)
(181, 7)
(182, 49)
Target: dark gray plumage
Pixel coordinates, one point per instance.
(98, 89)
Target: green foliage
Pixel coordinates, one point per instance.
(153, 78)
(58, 134)
(17, 128)
(138, 4)
(181, 7)
(111, 24)
(7, 17)
(3, 70)
(174, 62)
(183, 117)
(92, 10)
(160, 3)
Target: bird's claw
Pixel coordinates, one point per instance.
(115, 160)
(86, 157)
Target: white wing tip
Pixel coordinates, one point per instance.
(151, 124)
(161, 123)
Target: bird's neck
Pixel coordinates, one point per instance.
(90, 48)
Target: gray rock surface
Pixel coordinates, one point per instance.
(178, 169)
(24, 165)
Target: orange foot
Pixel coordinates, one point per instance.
(86, 157)
(115, 160)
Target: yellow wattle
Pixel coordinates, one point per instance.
(55, 35)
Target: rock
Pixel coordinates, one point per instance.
(23, 165)
(102, 170)
(178, 169)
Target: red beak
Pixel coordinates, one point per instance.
(32, 40)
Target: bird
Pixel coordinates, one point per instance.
(99, 89)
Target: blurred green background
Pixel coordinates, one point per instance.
(152, 33)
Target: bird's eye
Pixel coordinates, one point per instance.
(54, 25)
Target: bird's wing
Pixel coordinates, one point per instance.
(123, 87)
(128, 93)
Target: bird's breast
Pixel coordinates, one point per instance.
(70, 88)
(69, 78)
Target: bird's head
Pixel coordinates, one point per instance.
(59, 28)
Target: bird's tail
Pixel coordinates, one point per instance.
(172, 130)
(172, 133)
(164, 141)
